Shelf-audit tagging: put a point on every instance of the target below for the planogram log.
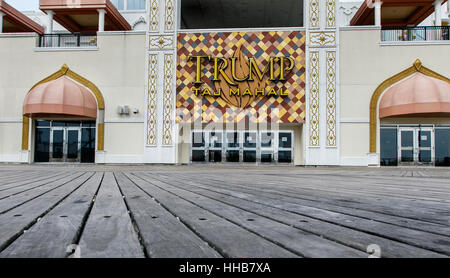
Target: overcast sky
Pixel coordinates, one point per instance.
(24, 5)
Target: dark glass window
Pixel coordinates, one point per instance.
(214, 14)
(198, 155)
(266, 158)
(232, 156)
(442, 147)
(388, 145)
(58, 142)
(285, 140)
(42, 123)
(249, 156)
(284, 157)
(87, 145)
(215, 156)
(42, 145)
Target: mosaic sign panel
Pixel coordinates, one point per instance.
(241, 76)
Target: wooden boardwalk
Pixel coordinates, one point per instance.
(223, 211)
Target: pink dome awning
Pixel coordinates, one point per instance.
(62, 97)
(418, 94)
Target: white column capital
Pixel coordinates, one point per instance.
(50, 12)
(2, 14)
(101, 11)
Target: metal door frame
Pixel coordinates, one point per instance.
(65, 130)
(415, 147)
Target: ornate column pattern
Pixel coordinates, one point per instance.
(322, 51)
(151, 98)
(331, 98)
(331, 14)
(161, 72)
(314, 13)
(168, 99)
(314, 137)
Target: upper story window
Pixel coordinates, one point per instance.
(222, 14)
(131, 5)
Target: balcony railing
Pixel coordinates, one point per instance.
(416, 34)
(67, 40)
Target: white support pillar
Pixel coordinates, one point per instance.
(101, 20)
(437, 12)
(377, 6)
(1, 22)
(50, 15)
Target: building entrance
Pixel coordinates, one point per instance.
(247, 146)
(415, 145)
(65, 141)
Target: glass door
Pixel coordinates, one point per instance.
(425, 146)
(416, 146)
(57, 144)
(73, 144)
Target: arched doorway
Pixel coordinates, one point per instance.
(409, 119)
(64, 113)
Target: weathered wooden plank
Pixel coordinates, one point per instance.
(14, 222)
(19, 199)
(109, 232)
(19, 187)
(163, 235)
(411, 216)
(305, 243)
(23, 176)
(55, 231)
(228, 238)
(346, 236)
(436, 243)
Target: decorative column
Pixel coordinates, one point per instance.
(1, 22)
(160, 145)
(377, 6)
(322, 125)
(50, 15)
(437, 12)
(101, 20)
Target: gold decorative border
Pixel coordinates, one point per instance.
(168, 99)
(98, 96)
(314, 13)
(314, 120)
(331, 13)
(152, 98)
(331, 98)
(161, 41)
(169, 15)
(416, 67)
(322, 39)
(154, 11)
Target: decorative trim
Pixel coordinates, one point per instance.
(152, 98)
(416, 67)
(314, 14)
(83, 81)
(331, 14)
(139, 20)
(25, 132)
(168, 99)
(322, 39)
(331, 98)
(154, 11)
(314, 120)
(169, 16)
(160, 41)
